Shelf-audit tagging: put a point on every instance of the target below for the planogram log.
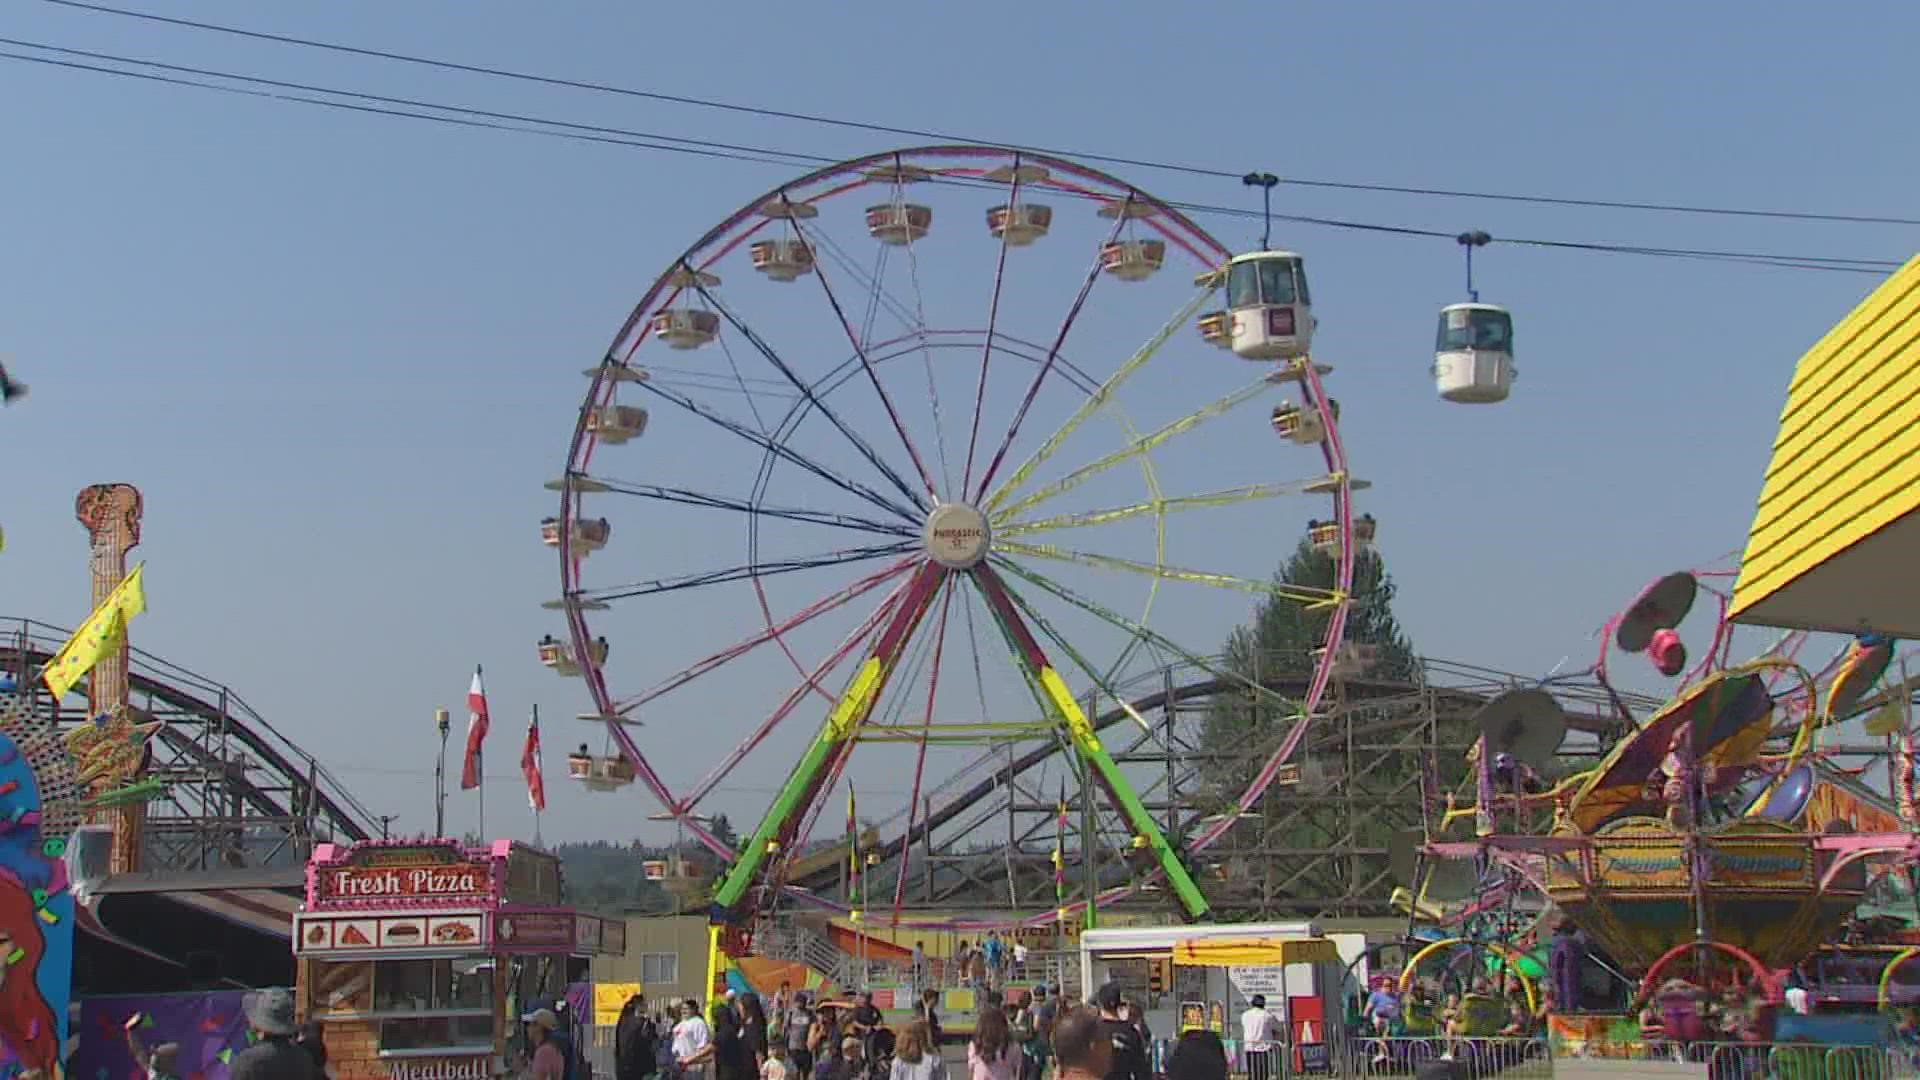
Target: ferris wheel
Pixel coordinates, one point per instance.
(921, 455)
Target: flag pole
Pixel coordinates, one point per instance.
(539, 752)
(480, 775)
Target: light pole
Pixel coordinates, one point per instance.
(443, 723)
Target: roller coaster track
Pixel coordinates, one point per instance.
(1375, 711)
(239, 791)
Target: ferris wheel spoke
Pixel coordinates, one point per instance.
(749, 570)
(1159, 640)
(811, 681)
(1080, 661)
(740, 648)
(873, 376)
(746, 506)
(1053, 353)
(926, 727)
(780, 449)
(1132, 450)
(1307, 597)
(1098, 399)
(1086, 741)
(993, 321)
(814, 400)
(919, 327)
(1176, 504)
(803, 784)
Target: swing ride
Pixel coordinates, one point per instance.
(868, 406)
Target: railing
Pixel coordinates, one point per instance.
(216, 700)
(1471, 1058)
(1768, 1061)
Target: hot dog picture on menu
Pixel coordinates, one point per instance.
(403, 932)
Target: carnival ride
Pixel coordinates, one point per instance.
(957, 512)
(1696, 848)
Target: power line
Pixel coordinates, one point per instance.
(406, 108)
(921, 133)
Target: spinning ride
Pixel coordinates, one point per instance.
(863, 416)
(1693, 847)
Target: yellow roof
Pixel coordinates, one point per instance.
(1836, 520)
(1254, 951)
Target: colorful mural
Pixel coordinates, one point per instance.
(209, 1028)
(36, 909)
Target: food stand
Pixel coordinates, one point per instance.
(418, 957)
(1195, 977)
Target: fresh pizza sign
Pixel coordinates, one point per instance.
(437, 873)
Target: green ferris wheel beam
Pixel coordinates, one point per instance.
(853, 708)
(1087, 741)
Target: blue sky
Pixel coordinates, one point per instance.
(339, 353)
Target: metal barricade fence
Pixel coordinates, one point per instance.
(1770, 1061)
(1472, 1058)
(1371, 1058)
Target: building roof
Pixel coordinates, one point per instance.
(1836, 523)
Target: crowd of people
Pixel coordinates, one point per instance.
(796, 1036)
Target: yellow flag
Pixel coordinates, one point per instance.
(101, 634)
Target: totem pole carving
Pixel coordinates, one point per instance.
(111, 514)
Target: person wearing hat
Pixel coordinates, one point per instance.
(273, 1056)
(548, 1063)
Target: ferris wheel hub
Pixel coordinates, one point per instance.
(957, 536)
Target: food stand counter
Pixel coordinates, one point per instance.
(418, 957)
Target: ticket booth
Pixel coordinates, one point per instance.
(419, 957)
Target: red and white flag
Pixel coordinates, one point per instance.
(476, 732)
(530, 766)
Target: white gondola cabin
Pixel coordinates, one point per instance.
(615, 424)
(784, 259)
(1272, 311)
(899, 222)
(1020, 224)
(585, 535)
(1302, 425)
(1216, 329)
(685, 328)
(1133, 260)
(1473, 353)
(599, 773)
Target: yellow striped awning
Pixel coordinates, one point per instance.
(1255, 952)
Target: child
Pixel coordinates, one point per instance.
(775, 1067)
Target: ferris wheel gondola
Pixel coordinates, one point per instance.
(1473, 349)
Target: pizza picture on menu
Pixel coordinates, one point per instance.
(454, 932)
(353, 937)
